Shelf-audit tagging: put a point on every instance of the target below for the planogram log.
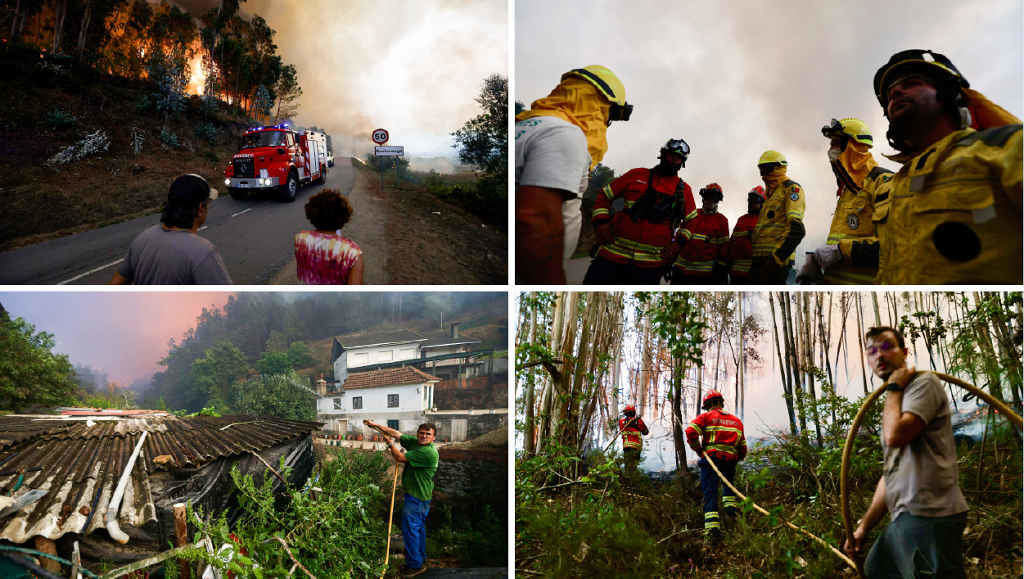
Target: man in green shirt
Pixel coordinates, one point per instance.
(420, 457)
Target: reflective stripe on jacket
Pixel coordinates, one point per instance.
(852, 224)
(703, 238)
(720, 434)
(740, 249)
(641, 241)
(952, 214)
(632, 434)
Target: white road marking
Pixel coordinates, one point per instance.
(202, 228)
(241, 212)
(91, 271)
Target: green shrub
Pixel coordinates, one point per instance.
(338, 531)
(58, 119)
(170, 139)
(207, 132)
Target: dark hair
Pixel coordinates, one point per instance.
(879, 330)
(328, 210)
(430, 425)
(187, 193)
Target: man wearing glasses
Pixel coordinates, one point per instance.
(918, 486)
(635, 244)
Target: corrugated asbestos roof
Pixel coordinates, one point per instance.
(79, 461)
(388, 377)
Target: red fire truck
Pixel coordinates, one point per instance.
(277, 159)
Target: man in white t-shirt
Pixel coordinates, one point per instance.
(919, 486)
(558, 142)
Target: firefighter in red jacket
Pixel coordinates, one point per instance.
(739, 252)
(703, 241)
(635, 245)
(720, 435)
(633, 430)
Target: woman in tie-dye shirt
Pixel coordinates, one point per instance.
(324, 256)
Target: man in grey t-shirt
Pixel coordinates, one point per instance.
(919, 483)
(172, 253)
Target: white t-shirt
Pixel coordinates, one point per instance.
(552, 153)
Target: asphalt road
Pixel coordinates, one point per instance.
(253, 236)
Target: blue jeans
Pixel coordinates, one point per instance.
(709, 486)
(913, 546)
(414, 530)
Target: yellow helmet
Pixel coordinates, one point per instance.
(772, 157)
(852, 128)
(609, 86)
(605, 80)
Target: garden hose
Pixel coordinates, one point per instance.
(34, 553)
(761, 510)
(844, 491)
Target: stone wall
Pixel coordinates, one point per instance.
(476, 424)
(476, 392)
(481, 476)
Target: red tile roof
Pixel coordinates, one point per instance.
(388, 377)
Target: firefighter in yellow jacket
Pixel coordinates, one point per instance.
(855, 170)
(780, 226)
(952, 213)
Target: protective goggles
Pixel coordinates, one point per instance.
(833, 129)
(768, 167)
(620, 112)
(677, 146)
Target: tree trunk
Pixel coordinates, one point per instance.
(84, 30)
(530, 442)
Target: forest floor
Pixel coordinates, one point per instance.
(646, 528)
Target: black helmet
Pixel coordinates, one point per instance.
(677, 146)
(930, 63)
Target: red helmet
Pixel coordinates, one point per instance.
(629, 408)
(714, 394)
(756, 191)
(712, 191)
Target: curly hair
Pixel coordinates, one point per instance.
(328, 210)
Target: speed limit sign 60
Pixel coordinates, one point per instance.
(380, 136)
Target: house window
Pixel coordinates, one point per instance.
(392, 400)
(337, 403)
(357, 403)
(393, 424)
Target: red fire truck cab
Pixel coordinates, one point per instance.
(276, 159)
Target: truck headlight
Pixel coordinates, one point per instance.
(227, 181)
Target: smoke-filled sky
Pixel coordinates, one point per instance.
(413, 68)
(123, 334)
(735, 78)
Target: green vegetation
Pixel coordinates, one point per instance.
(30, 372)
(579, 515)
(336, 531)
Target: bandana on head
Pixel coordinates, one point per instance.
(577, 101)
(772, 180)
(857, 162)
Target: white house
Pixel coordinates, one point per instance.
(399, 397)
(364, 349)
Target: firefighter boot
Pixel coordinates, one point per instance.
(730, 508)
(712, 528)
